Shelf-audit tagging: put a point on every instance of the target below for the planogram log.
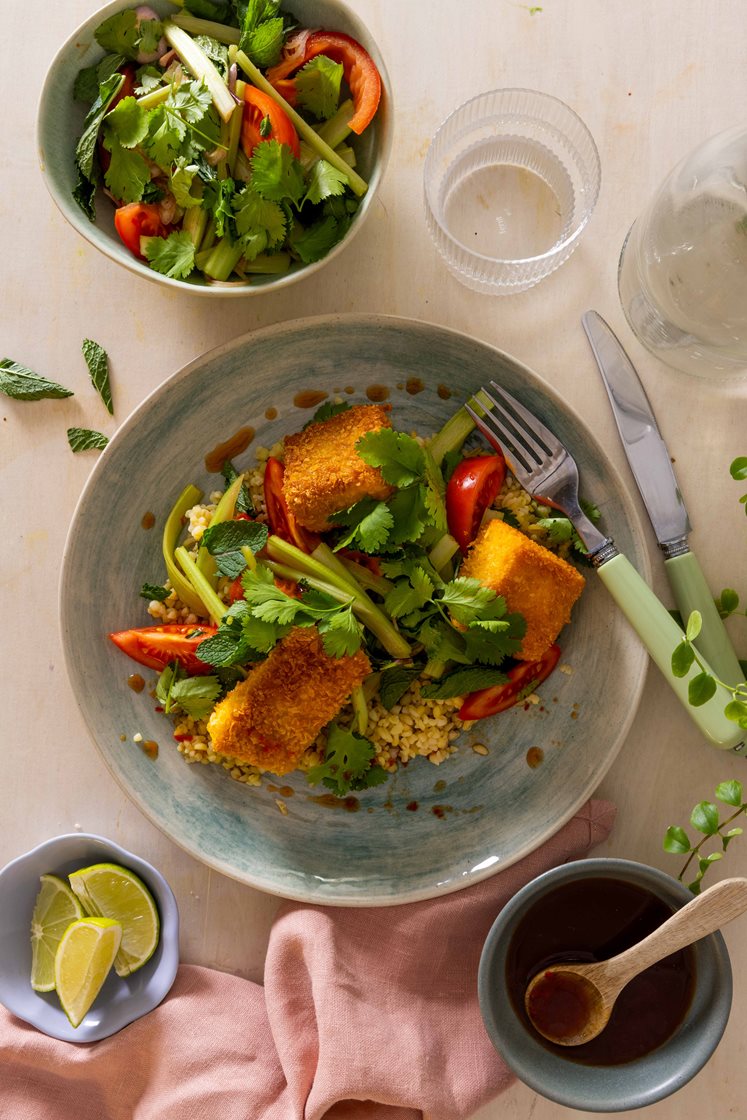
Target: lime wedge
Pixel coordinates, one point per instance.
(55, 908)
(107, 890)
(83, 961)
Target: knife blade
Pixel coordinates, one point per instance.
(652, 469)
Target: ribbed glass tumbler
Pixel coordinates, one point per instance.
(511, 179)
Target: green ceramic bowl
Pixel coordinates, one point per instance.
(60, 123)
(476, 813)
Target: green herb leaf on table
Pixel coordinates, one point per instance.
(97, 361)
(86, 439)
(347, 764)
(22, 384)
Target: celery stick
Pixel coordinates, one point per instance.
(434, 669)
(155, 97)
(224, 511)
(442, 552)
(222, 260)
(196, 26)
(189, 497)
(268, 263)
(324, 554)
(360, 710)
(332, 132)
(367, 579)
(455, 431)
(195, 218)
(234, 138)
(200, 66)
(304, 129)
(201, 586)
(310, 568)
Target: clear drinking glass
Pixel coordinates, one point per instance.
(682, 275)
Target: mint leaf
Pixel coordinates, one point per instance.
(369, 522)
(324, 181)
(395, 683)
(127, 174)
(88, 80)
(98, 367)
(276, 173)
(264, 44)
(225, 541)
(244, 501)
(463, 681)
(173, 255)
(86, 439)
(318, 86)
(216, 52)
(195, 695)
(85, 151)
(326, 411)
(22, 384)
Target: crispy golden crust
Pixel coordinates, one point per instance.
(323, 471)
(534, 582)
(271, 718)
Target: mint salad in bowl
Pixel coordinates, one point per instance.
(228, 145)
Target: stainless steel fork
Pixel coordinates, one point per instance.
(547, 471)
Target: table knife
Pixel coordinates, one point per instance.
(652, 469)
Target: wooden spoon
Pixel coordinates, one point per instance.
(570, 1004)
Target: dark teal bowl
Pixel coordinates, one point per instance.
(631, 1084)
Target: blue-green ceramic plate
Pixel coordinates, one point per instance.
(490, 810)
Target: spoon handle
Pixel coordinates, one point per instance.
(706, 913)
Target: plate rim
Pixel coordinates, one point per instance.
(634, 521)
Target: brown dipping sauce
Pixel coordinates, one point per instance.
(592, 920)
(377, 393)
(148, 520)
(309, 398)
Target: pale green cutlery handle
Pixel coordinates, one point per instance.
(660, 634)
(693, 594)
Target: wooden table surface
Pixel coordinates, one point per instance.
(650, 80)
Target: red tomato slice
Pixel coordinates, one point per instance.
(136, 220)
(470, 491)
(257, 107)
(364, 80)
(522, 680)
(282, 522)
(158, 646)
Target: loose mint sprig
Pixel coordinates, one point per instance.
(705, 818)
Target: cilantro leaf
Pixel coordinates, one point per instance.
(180, 184)
(369, 523)
(22, 384)
(218, 200)
(409, 594)
(347, 763)
(491, 645)
(314, 242)
(318, 86)
(324, 181)
(225, 541)
(86, 439)
(124, 34)
(260, 223)
(98, 366)
(173, 255)
(342, 633)
(399, 457)
(127, 123)
(410, 514)
(468, 599)
(463, 681)
(127, 173)
(276, 173)
(154, 591)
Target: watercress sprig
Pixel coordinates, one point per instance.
(706, 819)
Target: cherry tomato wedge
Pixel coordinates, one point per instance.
(522, 680)
(469, 492)
(136, 220)
(257, 107)
(282, 522)
(158, 646)
(364, 80)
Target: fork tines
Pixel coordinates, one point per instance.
(511, 427)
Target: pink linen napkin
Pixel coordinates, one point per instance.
(365, 1014)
